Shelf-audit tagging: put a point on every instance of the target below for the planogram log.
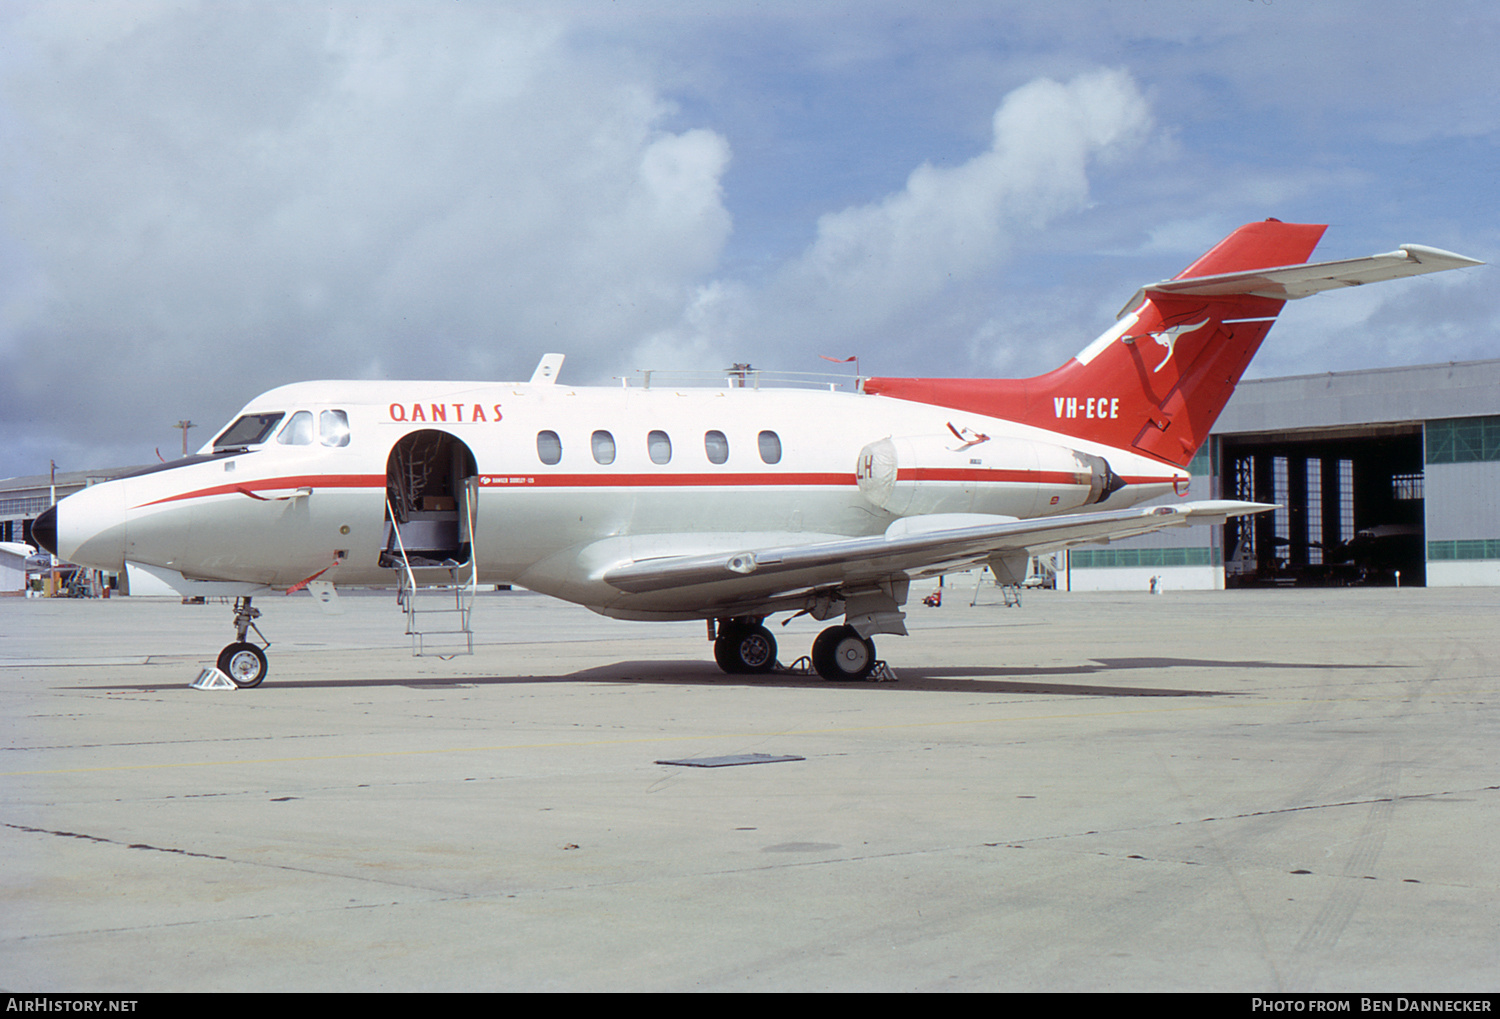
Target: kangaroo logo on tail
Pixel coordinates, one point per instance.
(1168, 338)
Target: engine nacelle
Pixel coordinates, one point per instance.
(920, 474)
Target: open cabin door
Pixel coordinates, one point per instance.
(432, 503)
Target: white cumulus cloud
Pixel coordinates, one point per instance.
(202, 201)
(871, 269)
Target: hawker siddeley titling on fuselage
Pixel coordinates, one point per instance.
(725, 504)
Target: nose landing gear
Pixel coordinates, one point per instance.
(243, 662)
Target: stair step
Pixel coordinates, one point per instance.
(438, 625)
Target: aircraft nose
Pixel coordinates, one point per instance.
(44, 530)
(88, 527)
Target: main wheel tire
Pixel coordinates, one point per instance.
(841, 654)
(745, 649)
(244, 664)
(724, 652)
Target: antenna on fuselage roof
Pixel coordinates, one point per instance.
(547, 369)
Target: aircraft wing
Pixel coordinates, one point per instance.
(1294, 281)
(913, 549)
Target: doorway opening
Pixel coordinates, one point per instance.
(1350, 509)
(431, 501)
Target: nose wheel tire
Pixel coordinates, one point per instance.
(840, 653)
(244, 664)
(745, 649)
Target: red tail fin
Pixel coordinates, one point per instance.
(1156, 381)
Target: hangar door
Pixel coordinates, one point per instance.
(1352, 509)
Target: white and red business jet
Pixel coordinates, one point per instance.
(725, 504)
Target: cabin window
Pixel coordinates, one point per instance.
(716, 446)
(548, 447)
(247, 430)
(334, 427)
(659, 446)
(770, 447)
(604, 447)
(298, 431)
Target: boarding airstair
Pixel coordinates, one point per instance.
(436, 591)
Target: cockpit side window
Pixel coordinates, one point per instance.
(298, 431)
(334, 427)
(248, 430)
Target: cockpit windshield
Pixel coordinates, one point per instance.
(248, 430)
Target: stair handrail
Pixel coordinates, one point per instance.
(410, 578)
(471, 510)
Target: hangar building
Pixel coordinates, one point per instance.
(1376, 472)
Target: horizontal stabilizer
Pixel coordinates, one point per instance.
(1290, 282)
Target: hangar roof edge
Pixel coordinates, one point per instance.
(1364, 396)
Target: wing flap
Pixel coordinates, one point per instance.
(845, 561)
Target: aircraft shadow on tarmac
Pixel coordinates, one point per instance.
(957, 679)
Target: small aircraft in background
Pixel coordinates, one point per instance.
(727, 504)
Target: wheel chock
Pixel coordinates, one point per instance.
(212, 679)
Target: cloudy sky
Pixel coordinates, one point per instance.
(201, 200)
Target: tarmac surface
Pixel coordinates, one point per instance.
(1253, 791)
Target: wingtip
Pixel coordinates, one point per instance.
(1424, 255)
(1218, 508)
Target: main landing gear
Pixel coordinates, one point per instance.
(744, 646)
(243, 662)
(840, 653)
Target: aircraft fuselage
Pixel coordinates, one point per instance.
(712, 468)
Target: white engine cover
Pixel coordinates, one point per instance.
(920, 474)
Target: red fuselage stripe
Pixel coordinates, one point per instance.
(275, 484)
(661, 480)
(990, 476)
(378, 481)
